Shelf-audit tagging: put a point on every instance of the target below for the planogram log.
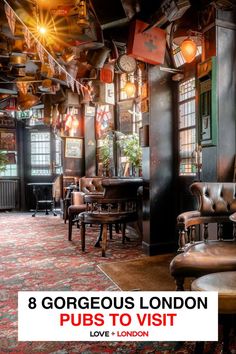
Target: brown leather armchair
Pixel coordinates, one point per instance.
(90, 185)
(117, 205)
(216, 201)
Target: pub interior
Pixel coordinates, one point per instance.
(117, 144)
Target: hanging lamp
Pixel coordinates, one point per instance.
(130, 89)
(188, 49)
(83, 20)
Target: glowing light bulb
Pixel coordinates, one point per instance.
(188, 49)
(42, 30)
(130, 89)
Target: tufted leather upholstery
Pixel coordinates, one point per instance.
(90, 184)
(215, 198)
(216, 202)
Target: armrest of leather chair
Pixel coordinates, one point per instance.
(184, 221)
(187, 219)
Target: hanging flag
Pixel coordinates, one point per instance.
(67, 80)
(77, 85)
(40, 52)
(10, 17)
(27, 37)
(59, 70)
(72, 84)
(51, 64)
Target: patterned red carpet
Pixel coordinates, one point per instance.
(35, 255)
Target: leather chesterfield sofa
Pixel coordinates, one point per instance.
(216, 202)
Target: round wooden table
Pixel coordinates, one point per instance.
(225, 284)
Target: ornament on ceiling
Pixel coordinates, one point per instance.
(44, 54)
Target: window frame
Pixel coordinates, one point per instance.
(189, 126)
(38, 166)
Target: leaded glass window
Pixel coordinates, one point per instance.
(187, 127)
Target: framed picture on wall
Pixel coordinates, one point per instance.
(7, 122)
(7, 140)
(73, 148)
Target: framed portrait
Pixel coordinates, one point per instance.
(7, 140)
(73, 148)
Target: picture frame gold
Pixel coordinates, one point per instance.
(73, 148)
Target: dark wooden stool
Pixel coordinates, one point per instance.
(105, 221)
(225, 284)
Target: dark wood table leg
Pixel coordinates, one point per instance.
(99, 238)
(104, 239)
(82, 234)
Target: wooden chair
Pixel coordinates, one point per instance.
(47, 194)
(78, 206)
(117, 205)
(76, 203)
(70, 184)
(217, 201)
